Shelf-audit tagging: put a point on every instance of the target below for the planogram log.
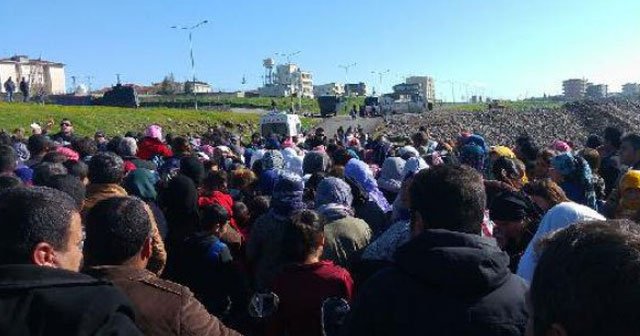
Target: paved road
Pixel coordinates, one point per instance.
(332, 124)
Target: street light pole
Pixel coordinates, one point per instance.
(346, 75)
(193, 62)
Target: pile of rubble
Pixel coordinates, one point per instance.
(572, 122)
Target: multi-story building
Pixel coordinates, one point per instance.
(355, 89)
(631, 89)
(330, 89)
(45, 76)
(289, 80)
(427, 84)
(574, 88)
(596, 91)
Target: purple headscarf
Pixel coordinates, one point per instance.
(360, 172)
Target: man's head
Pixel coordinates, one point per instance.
(8, 160)
(70, 185)
(241, 214)
(586, 281)
(447, 197)
(99, 137)
(38, 144)
(118, 233)
(630, 149)
(106, 168)
(44, 171)
(128, 147)
(612, 137)
(213, 218)
(40, 226)
(66, 126)
(85, 147)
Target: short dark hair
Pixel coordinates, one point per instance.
(633, 139)
(55, 157)
(106, 167)
(114, 144)
(450, 197)
(31, 216)
(180, 144)
(8, 182)
(116, 230)
(78, 169)
(8, 159)
(215, 180)
(44, 171)
(69, 184)
(587, 280)
(613, 135)
(37, 144)
(212, 216)
(302, 235)
(85, 147)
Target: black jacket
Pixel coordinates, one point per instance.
(37, 300)
(443, 283)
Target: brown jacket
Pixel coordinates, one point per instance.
(98, 192)
(162, 307)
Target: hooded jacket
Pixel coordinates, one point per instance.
(150, 147)
(442, 283)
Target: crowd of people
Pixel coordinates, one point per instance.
(151, 233)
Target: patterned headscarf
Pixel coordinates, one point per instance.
(391, 175)
(333, 199)
(473, 156)
(287, 194)
(272, 159)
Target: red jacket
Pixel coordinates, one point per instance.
(302, 289)
(225, 200)
(150, 147)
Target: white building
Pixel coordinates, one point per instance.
(288, 80)
(41, 75)
(197, 87)
(427, 84)
(631, 89)
(330, 89)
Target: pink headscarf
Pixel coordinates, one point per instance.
(287, 143)
(154, 131)
(560, 146)
(69, 153)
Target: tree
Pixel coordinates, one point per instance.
(169, 86)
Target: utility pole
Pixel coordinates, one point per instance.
(118, 78)
(346, 75)
(193, 63)
(380, 75)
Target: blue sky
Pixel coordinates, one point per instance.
(506, 48)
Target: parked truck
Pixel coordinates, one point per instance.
(330, 105)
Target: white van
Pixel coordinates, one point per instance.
(280, 123)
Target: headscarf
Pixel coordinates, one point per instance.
(560, 146)
(360, 172)
(154, 131)
(272, 159)
(333, 199)
(287, 195)
(180, 201)
(69, 153)
(577, 175)
(503, 151)
(628, 207)
(268, 180)
(391, 175)
(413, 166)
(408, 151)
(191, 167)
(141, 183)
(315, 162)
(508, 206)
(473, 156)
(292, 162)
(477, 140)
(22, 151)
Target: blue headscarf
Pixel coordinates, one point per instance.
(578, 178)
(473, 156)
(287, 194)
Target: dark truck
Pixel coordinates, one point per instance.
(329, 105)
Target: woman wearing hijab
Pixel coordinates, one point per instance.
(390, 179)
(272, 163)
(264, 248)
(292, 162)
(360, 172)
(573, 175)
(152, 145)
(516, 220)
(179, 202)
(345, 236)
(629, 189)
(142, 184)
(473, 156)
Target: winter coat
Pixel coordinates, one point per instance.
(162, 307)
(442, 283)
(38, 300)
(264, 249)
(150, 147)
